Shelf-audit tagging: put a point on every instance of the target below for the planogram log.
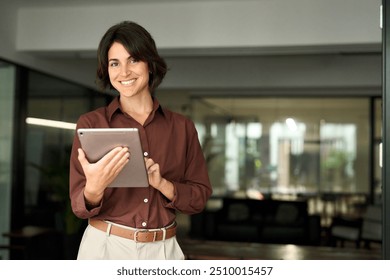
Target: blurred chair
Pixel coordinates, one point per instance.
(366, 229)
(372, 225)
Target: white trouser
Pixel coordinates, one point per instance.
(98, 245)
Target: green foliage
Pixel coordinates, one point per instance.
(335, 160)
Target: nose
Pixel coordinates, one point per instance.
(125, 70)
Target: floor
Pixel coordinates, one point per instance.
(205, 249)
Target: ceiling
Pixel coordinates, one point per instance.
(344, 49)
(198, 63)
(57, 3)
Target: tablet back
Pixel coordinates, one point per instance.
(96, 142)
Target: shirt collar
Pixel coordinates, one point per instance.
(114, 107)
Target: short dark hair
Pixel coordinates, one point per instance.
(139, 43)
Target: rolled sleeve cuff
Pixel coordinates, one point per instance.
(186, 200)
(81, 208)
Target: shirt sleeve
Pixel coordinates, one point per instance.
(192, 194)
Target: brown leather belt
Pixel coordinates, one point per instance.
(139, 235)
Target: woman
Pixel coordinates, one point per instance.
(136, 223)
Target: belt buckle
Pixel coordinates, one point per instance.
(144, 230)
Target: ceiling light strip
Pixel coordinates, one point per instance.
(51, 123)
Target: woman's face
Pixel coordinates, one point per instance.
(127, 75)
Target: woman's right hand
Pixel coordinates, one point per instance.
(100, 174)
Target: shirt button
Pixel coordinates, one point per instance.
(144, 224)
(146, 200)
(146, 154)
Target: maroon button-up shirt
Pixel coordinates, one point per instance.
(171, 140)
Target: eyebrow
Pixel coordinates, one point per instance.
(116, 59)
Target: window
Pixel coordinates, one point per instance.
(46, 185)
(285, 145)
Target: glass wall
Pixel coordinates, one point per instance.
(294, 145)
(7, 95)
(287, 147)
(53, 107)
(37, 125)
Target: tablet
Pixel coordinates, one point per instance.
(96, 142)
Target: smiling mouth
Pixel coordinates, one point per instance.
(128, 82)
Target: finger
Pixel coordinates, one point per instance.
(148, 162)
(118, 160)
(121, 163)
(109, 171)
(81, 157)
(153, 168)
(113, 153)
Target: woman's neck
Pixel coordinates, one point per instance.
(138, 108)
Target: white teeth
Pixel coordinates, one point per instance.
(126, 83)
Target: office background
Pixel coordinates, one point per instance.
(239, 69)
